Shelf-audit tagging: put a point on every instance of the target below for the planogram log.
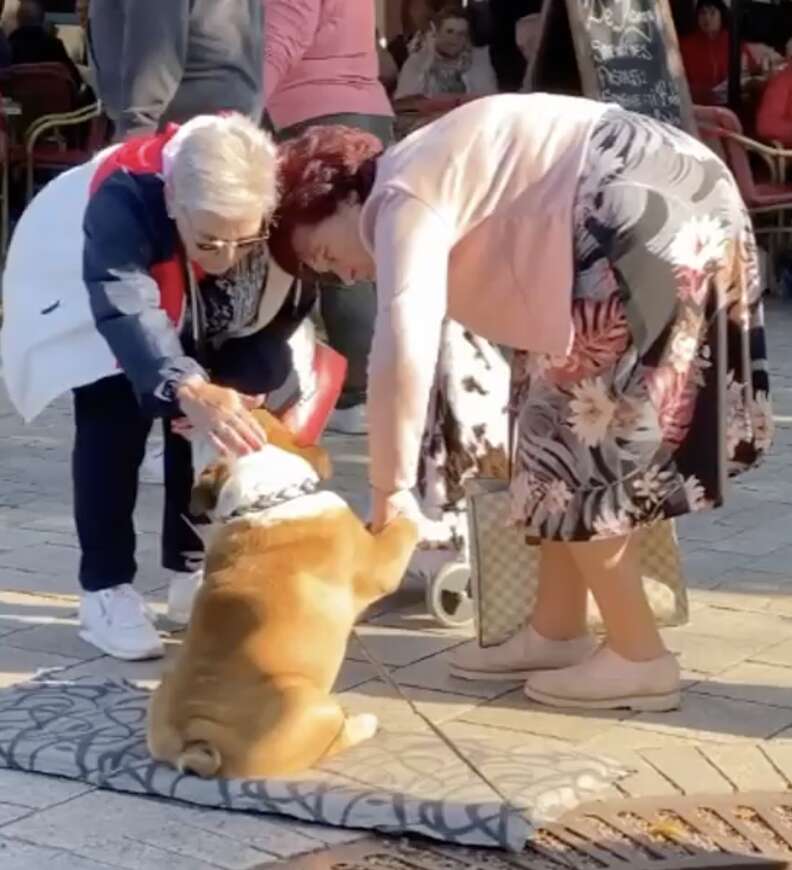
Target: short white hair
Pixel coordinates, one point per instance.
(223, 164)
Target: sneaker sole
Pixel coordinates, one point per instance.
(124, 655)
(179, 619)
(492, 676)
(664, 703)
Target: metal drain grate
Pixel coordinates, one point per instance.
(742, 832)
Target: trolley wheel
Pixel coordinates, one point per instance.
(448, 596)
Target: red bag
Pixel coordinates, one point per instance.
(308, 417)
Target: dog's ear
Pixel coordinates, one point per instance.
(207, 488)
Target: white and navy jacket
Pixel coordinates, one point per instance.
(96, 284)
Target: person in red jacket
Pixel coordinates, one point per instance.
(705, 53)
(774, 118)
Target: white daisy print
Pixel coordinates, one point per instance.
(699, 244)
(591, 411)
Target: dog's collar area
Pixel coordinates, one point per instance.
(275, 499)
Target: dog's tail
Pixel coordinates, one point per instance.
(199, 757)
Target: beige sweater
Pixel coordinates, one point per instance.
(472, 217)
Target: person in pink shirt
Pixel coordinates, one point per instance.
(321, 67)
(614, 255)
(774, 118)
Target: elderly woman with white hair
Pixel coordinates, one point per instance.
(139, 282)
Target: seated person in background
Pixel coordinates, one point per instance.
(774, 118)
(32, 42)
(448, 64)
(388, 71)
(705, 54)
(527, 33)
(416, 23)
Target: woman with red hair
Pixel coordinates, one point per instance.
(613, 253)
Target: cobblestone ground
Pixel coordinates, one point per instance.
(733, 733)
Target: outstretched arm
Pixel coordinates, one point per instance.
(412, 245)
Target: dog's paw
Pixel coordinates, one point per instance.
(362, 727)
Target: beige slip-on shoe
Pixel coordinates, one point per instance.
(606, 681)
(520, 656)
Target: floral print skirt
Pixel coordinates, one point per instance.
(664, 393)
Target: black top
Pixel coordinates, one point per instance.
(34, 44)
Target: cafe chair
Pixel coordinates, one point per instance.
(47, 149)
(767, 196)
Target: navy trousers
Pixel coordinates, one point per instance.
(110, 442)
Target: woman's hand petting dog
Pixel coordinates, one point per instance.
(221, 414)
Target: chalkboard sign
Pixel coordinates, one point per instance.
(626, 52)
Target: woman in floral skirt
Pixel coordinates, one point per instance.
(615, 255)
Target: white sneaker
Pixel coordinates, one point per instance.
(521, 655)
(349, 421)
(118, 622)
(181, 596)
(152, 469)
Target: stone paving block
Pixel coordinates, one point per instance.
(761, 541)
(20, 611)
(721, 720)
(414, 618)
(353, 674)
(18, 665)
(754, 591)
(282, 837)
(395, 714)
(16, 855)
(779, 561)
(515, 712)
(398, 648)
(13, 539)
(703, 529)
(433, 673)
(38, 582)
(752, 681)
(145, 674)
(140, 834)
(11, 813)
(42, 519)
(688, 770)
(704, 568)
(747, 767)
(58, 638)
(729, 626)
(707, 654)
(505, 738)
(622, 736)
(36, 792)
(643, 779)
(779, 753)
(780, 655)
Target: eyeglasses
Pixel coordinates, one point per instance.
(210, 245)
(213, 246)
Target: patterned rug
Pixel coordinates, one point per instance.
(94, 731)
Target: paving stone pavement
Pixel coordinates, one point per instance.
(734, 731)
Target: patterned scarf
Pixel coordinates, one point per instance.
(446, 75)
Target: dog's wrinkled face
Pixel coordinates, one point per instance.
(208, 485)
(230, 484)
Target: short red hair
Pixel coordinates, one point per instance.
(317, 172)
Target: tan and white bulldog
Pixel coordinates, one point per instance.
(289, 570)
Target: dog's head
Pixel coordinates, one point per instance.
(230, 484)
(279, 435)
(207, 487)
